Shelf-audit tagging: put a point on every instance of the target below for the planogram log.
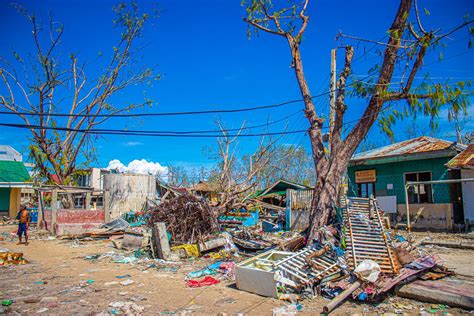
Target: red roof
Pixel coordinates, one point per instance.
(464, 160)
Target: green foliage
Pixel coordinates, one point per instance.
(455, 97)
(267, 12)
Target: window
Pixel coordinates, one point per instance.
(365, 190)
(419, 193)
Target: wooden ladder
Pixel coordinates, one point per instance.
(366, 236)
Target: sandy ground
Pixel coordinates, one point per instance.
(58, 274)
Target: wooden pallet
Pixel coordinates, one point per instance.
(366, 235)
(296, 268)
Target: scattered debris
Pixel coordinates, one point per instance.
(187, 217)
(204, 282)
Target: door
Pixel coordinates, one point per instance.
(4, 199)
(455, 193)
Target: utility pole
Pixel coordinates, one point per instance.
(332, 94)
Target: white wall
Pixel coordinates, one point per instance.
(468, 195)
(8, 153)
(128, 192)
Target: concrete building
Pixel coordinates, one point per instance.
(128, 192)
(8, 153)
(384, 172)
(92, 178)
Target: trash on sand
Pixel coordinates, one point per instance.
(200, 273)
(127, 282)
(368, 270)
(204, 282)
(127, 308)
(111, 283)
(7, 302)
(288, 310)
(123, 276)
(192, 250)
(117, 224)
(9, 258)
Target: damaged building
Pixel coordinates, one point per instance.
(384, 173)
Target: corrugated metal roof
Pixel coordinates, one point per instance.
(13, 171)
(464, 159)
(418, 145)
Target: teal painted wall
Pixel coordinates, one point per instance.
(4, 199)
(394, 173)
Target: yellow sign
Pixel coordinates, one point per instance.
(363, 176)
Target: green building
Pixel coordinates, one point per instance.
(13, 178)
(383, 172)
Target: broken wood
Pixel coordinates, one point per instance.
(452, 292)
(341, 297)
(188, 218)
(160, 241)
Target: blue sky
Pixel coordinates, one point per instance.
(207, 62)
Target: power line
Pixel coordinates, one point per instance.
(161, 133)
(214, 131)
(168, 113)
(139, 133)
(165, 113)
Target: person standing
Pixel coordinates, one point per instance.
(23, 224)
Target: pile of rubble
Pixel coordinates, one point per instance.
(362, 260)
(358, 258)
(188, 218)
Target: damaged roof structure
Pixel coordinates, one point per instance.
(384, 172)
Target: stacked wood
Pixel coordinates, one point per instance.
(188, 218)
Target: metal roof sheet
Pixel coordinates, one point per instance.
(13, 171)
(418, 145)
(464, 159)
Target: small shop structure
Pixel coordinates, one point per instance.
(384, 172)
(13, 178)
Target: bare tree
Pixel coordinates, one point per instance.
(236, 176)
(56, 83)
(406, 47)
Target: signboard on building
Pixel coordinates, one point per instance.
(364, 176)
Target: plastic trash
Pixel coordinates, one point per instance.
(7, 302)
(368, 270)
(204, 282)
(399, 238)
(117, 224)
(127, 282)
(362, 296)
(289, 310)
(201, 273)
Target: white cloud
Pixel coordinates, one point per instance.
(132, 144)
(141, 167)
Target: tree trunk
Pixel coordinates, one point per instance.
(326, 192)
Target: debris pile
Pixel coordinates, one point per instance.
(188, 218)
(361, 260)
(8, 258)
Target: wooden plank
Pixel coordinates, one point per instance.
(452, 292)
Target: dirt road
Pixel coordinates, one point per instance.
(68, 284)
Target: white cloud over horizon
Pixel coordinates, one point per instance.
(142, 166)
